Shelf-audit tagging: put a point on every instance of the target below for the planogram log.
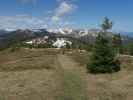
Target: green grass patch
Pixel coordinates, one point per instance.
(73, 87)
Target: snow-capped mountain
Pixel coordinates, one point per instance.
(130, 34)
(60, 30)
(74, 32)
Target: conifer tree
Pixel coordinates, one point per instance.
(103, 58)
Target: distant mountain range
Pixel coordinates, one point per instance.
(65, 31)
(9, 37)
(130, 34)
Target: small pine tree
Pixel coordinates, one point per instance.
(103, 59)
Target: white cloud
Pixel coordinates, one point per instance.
(63, 9)
(21, 22)
(30, 22)
(53, 18)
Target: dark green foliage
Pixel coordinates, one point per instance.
(131, 49)
(46, 45)
(68, 46)
(103, 57)
(116, 65)
(15, 47)
(81, 46)
(107, 24)
(88, 47)
(117, 43)
(128, 49)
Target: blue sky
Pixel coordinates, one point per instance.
(59, 13)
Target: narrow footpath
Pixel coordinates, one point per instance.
(72, 79)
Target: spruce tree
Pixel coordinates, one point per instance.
(103, 58)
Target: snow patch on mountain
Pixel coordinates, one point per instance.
(59, 43)
(9, 29)
(29, 42)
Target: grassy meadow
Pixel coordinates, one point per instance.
(47, 74)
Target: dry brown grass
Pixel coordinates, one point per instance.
(24, 75)
(25, 59)
(116, 86)
(81, 58)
